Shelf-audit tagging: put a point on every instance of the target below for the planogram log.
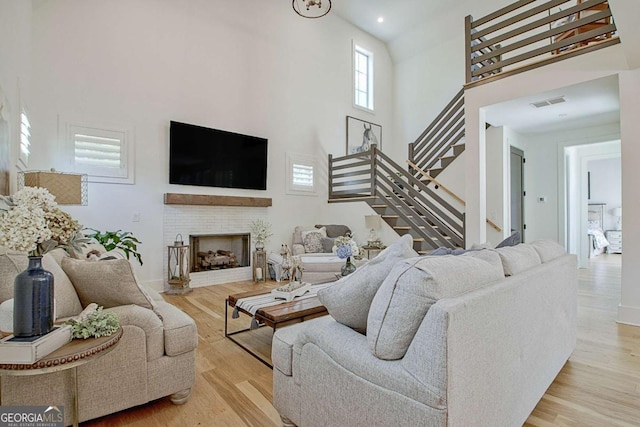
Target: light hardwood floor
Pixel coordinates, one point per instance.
(599, 386)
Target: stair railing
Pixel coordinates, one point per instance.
(534, 33)
(449, 192)
(373, 176)
(443, 133)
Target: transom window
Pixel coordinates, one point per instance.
(363, 77)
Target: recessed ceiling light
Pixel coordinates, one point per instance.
(380, 19)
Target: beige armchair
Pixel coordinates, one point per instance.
(321, 266)
(154, 358)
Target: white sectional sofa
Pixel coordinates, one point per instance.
(468, 340)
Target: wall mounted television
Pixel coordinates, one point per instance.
(216, 158)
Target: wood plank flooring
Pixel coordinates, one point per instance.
(599, 386)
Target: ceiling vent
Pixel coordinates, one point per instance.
(550, 101)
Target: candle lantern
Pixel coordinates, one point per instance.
(178, 267)
(260, 266)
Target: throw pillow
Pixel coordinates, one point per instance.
(447, 251)
(322, 231)
(335, 230)
(548, 250)
(512, 240)
(313, 243)
(66, 298)
(327, 244)
(108, 283)
(516, 259)
(349, 299)
(413, 286)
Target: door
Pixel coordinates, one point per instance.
(517, 191)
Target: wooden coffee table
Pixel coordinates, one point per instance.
(276, 316)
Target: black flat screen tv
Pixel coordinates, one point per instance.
(216, 158)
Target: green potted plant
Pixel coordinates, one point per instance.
(123, 240)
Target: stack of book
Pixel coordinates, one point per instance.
(19, 350)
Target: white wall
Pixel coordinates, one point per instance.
(248, 67)
(15, 48)
(606, 187)
(629, 310)
(498, 184)
(544, 175)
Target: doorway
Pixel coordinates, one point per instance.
(517, 191)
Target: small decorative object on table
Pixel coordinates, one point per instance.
(290, 291)
(31, 221)
(346, 247)
(261, 231)
(93, 322)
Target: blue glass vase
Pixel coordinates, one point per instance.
(33, 300)
(348, 267)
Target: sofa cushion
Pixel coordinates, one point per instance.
(282, 347)
(108, 283)
(548, 250)
(516, 259)
(11, 264)
(327, 244)
(297, 233)
(313, 242)
(66, 298)
(180, 331)
(512, 240)
(349, 299)
(85, 250)
(413, 286)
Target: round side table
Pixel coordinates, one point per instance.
(69, 356)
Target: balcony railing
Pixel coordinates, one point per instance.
(531, 33)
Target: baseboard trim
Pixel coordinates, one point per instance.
(629, 315)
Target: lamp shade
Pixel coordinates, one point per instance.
(68, 188)
(372, 221)
(617, 212)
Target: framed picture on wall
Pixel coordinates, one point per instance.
(361, 135)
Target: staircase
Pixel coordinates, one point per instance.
(500, 44)
(440, 143)
(406, 203)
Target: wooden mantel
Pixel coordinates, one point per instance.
(206, 200)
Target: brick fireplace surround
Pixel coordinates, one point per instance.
(191, 220)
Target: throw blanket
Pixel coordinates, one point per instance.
(255, 303)
(599, 241)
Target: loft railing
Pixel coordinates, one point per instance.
(443, 133)
(531, 33)
(373, 176)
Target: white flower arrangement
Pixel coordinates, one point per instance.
(260, 230)
(345, 247)
(30, 221)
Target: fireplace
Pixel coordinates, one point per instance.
(218, 251)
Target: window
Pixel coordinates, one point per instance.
(363, 77)
(105, 153)
(25, 138)
(300, 174)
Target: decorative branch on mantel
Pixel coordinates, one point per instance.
(206, 200)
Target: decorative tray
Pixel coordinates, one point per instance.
(290, 291)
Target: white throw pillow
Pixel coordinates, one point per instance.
(349, 299)
(414, 286)
(516, 259)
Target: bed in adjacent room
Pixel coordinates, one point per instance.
(595, 229)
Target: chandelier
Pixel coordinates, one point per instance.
(311, 8)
